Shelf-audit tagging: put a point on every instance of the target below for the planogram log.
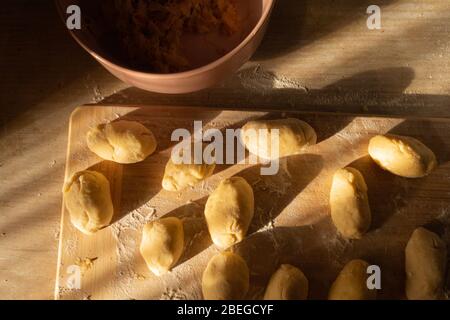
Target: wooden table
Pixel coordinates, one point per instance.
(317, 56)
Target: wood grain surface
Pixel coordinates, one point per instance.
(291, 222)
(317, 56)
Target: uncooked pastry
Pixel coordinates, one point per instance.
(226, 277)
(178, 177)
(87, 197)
(404, 156)
(294, 136)
(121, 141)
(162, 244)
(287, 283)
(349, 203)
(425, 264)
(229, 212)
(351, 284)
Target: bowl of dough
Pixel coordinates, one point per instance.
(169, 46)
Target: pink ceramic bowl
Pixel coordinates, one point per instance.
(211, 67)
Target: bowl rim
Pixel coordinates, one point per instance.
(214, 64)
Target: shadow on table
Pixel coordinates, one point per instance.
(255, 88)
(268, 204)
(297, 23)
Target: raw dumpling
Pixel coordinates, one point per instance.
(225, 278)
(349, 203)
(229, 212)
(403, 156)
(294, 136)
(179, 176)
(351, 284)
(426, 258)
(162, 244)
(287, 283)
(121, 141)
(87, 197)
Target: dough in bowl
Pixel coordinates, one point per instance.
(351, 284)
(162, 244)
(403, 156)
(121, 141)
(229, 212)
(294, 136)
(287, 283)
(87, 197)
(425, 263)
(226, 277)
(349, 203)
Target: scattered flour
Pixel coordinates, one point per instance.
(174, 294)
(126, 233)
(259, 80)
(71, 246)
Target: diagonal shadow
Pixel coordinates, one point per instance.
(311, 20)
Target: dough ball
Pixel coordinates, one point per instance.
(121, 141)
(349, 203)
(162, 244)
(87, 197)
(425, 263)
(226, 277)
(178, 177)
(294, 136)
(403, 156)
(287, 283)
(351, 284)
(229, 212)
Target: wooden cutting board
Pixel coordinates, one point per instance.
(291, 223)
